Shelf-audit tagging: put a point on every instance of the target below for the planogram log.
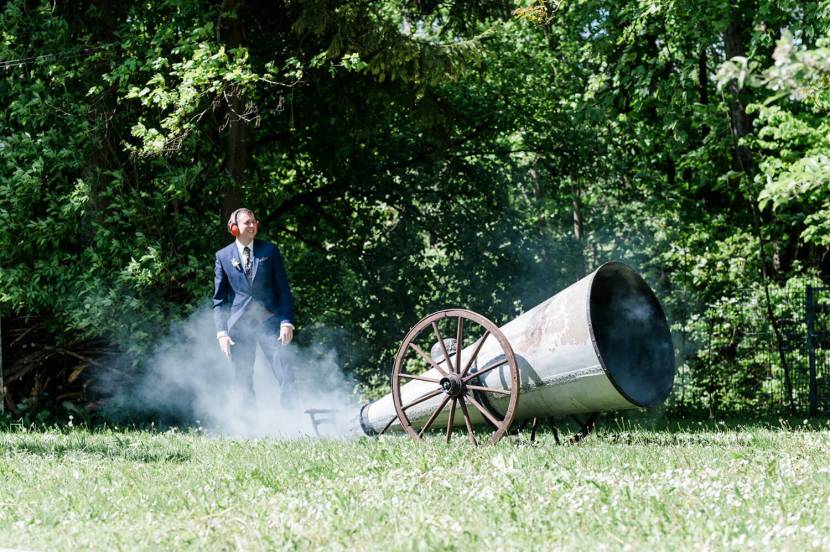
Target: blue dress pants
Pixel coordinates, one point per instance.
(247, 335)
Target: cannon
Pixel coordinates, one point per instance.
(601, 344)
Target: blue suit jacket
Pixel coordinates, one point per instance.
(234, 296)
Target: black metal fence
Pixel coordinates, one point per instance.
(817, 315)
(761, 357)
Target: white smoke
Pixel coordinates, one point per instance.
(188, 378)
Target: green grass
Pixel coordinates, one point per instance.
(707, 486)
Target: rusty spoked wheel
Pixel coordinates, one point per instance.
(432, 371)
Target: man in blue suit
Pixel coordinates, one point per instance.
(252, 304)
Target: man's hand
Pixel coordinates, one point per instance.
(225, 343)
(286, 334)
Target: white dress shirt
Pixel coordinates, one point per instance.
(241, 247)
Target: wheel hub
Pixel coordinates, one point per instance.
(452, 385)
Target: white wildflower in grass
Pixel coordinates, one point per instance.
(623, 488)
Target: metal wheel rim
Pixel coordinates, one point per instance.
(466, 398)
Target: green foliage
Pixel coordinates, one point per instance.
(408, 157)
(792, 135)
(796, 167)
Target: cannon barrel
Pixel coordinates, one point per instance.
(601, 344)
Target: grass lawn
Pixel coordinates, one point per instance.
(708, 486)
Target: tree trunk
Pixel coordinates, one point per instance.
(236, 152)
(576, 206)
(2, 387)
(703, 75)
(734, 38)
(235, 155)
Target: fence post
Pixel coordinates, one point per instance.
(2, 389)
(811, 354)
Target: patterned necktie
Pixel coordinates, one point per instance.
(246, 253)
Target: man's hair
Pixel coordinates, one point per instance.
(234, 218)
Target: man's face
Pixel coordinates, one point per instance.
(247, 226)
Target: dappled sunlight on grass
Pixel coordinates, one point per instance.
(717, 485)
(113, 446)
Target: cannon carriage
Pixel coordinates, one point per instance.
(601, 344)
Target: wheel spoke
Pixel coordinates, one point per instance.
(388, 424)
(459, 344)
(428, 359)
(443, 345)
(586, 427)
(556, 435)
(419, 400)
(483, 410)
(422, 378)
(489, 389)
(424, 397)
(480, 372)
(433, 416)
(578, 422)
(475, 353)
(470, 433)
(451, 419)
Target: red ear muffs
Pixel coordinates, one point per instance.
(233, 228)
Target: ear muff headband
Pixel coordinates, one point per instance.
(233, 223)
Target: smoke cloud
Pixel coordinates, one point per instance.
(189, 380)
